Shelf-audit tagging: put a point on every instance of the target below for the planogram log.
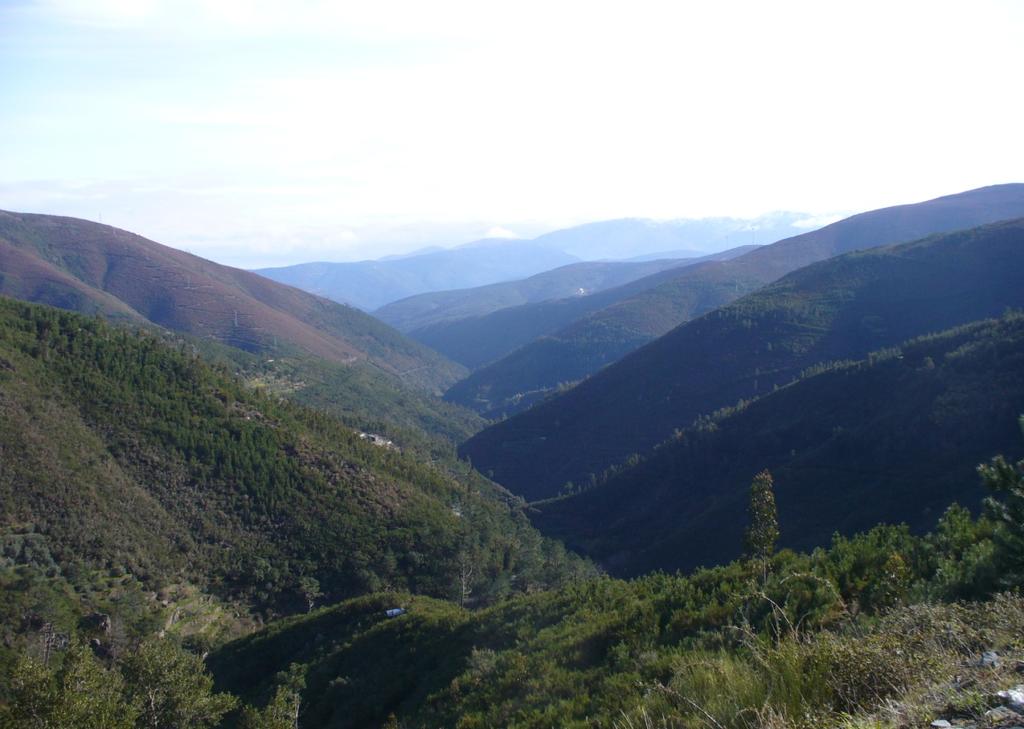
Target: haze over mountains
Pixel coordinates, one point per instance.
(585, 345)
(840, 308)
(449, 419)
(575, 279)
(870, 382)
(477, 340)
(372, 284)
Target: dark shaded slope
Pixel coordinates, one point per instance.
(121, 452)
(836, 309)
(511, 384)
(84, 266)
(891, 439)
(587, 343)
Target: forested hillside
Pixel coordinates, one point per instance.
(838, 309)
(153, 507)
(525, 376)
(847, 636)
(888, 439)
(866, 628)
(125, 453)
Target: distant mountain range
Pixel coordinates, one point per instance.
(630, 238)
(585, 344)
(836, 309)
(476, 340)
(373, 284)
(92, 268)
(572, 280)
(519, 355)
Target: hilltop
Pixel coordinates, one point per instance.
(372, 284)
(92, 268)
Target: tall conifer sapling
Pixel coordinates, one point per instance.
(763, 531)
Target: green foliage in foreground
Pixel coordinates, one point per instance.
(1006, 508)
(811, 641)
(804, 640)
(156, 686)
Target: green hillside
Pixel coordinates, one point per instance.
(522, 377)
(146, 492)
(123, 451)
(360, 395)
(838, 309)
(888, 439)
(567, 355)
(795, 642)
(279, 338)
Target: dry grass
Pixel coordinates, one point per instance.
(903, 670)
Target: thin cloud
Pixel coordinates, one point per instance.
(344, 115)
(818, 221)
(500, 232)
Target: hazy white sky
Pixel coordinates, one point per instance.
(263, 132)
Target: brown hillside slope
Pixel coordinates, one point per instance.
(83, 266)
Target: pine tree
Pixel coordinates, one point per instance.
(763, 531)
(283, 710)
(173, 688)
(80, 693)
(1007, 511)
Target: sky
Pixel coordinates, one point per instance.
(262, 133)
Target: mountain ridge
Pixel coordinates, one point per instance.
(475, 341)
(834, 309)
(508, 386)
(372, 284)
(581, 278)
(94, 268)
